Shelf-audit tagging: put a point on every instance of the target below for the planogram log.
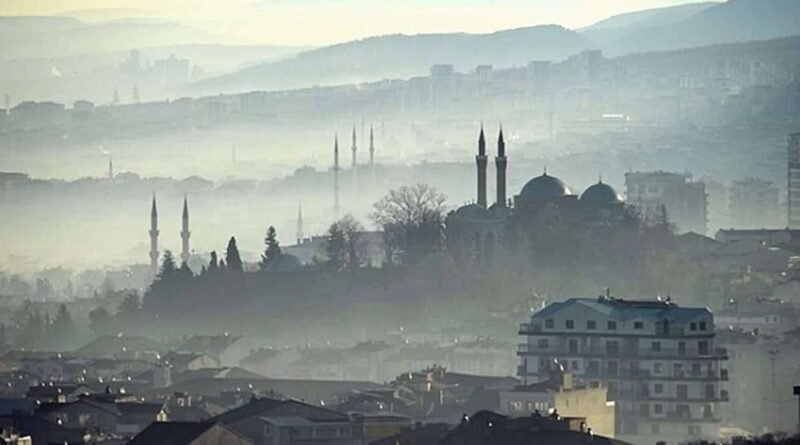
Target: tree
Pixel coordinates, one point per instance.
(62, 332)
(168, 268)
(232, 258)
(335, 247)
(412, 219)
(130, 306)
(272, 249)
(344, 248)
(100, 321)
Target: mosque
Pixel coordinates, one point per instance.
(545, 204)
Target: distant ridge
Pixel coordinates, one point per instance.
(402, 56)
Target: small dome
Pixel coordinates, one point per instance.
(473, 211)
(600, 194)
(544, 187)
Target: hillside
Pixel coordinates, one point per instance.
(401, 56)
(35, 37)
(733, 21)
(607, 31)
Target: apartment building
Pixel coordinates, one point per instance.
(658, 361)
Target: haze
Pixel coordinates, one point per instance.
(318, 22)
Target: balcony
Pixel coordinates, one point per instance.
(555, 349)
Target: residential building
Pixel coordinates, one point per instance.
(658, 361)
(562, 395)
(793, 180)
(754, 204)
(188, 433)
(282, 422)
(684, 200)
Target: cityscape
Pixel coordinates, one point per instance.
(244, 223)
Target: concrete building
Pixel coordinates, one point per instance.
(793, 180)
(657, 359)
(754, 204)
(560, 394)
(685, 201)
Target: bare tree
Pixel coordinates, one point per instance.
(412, 219)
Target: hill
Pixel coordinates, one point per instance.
(732, 21)
(607, 31)
(35, 37)
(401, 56)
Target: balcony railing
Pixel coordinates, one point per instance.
(664, 354)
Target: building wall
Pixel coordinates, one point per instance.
(591, 404)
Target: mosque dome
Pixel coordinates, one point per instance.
(544, 187)
(600, 194)
(472, 212)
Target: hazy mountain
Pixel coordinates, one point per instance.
(95, 75)
(690, 26)
(615, 27)
(401, 56)
(32, 37)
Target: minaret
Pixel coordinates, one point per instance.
(154, 237)
(372, 156)
(480, 159)
(355, 163)
(185, 233)
(500, 163)
(336, 178)
(300, 234)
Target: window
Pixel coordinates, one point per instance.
(573, 346)
(696, 369)
(594, 366)
(658, 368)
(638, 325)
(692, 326)
(612, 368)
(677, 370)
(612, 388)
(702, 325)
(549, 323)
(612, 347)
(702, 347)
(656, 346)
(576, 366)
(681, 348)
(612, 325)
(658, 408)
(683, 392)
(591, 325)
(543, 343)
(570, 324)
(658, 388)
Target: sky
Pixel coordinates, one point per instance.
(318, 22)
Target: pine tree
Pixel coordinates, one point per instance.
(272, 250)
(232, 258)
(167, 267)
(213, 263)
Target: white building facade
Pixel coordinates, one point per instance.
(658, 360)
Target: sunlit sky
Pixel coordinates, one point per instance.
(316, 22)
